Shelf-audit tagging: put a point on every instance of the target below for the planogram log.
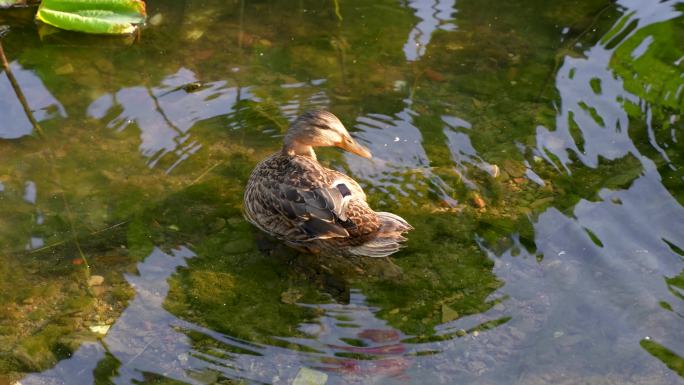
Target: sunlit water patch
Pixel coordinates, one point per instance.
(433, 15)
(401, 165)
(560, 305)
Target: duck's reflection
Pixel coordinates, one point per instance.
(355, 344)
(347, 340)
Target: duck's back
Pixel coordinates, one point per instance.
(297, 200)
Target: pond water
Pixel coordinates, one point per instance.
(537, 147)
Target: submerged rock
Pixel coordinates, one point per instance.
(290, 296)
(156, 20)
(448, 314)
(95, 280)
(477, 201)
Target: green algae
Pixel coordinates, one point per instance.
(655, 78)
(667, 356)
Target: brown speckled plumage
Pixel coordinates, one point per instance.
(312, 208)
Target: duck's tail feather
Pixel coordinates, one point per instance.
(388, 238)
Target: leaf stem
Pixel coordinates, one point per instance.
(337, 10)
(19, 92)
(50, 153)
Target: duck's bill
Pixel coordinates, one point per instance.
(357, 149)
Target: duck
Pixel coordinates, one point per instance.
(314, 209)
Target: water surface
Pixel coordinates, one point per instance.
(535, 146)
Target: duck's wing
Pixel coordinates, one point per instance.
(298, 200)
(320, 213)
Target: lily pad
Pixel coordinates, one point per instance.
(111, 17)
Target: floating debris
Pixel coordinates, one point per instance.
(494, 170)
(100, 329)
(399, 85)
(308, 376)
(194, 34)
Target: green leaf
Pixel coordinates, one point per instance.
(121, 6)
(113, 17)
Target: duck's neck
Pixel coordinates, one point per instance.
(297, 148)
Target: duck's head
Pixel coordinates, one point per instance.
(320, 129)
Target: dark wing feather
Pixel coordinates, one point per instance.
(319, 213)
(320, 229)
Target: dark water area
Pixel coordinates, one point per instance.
(535, 146)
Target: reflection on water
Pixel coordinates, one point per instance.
(147, 340)
(397, 143)
(433, 15)
(549, 220)
(307, 95)
(400, 165)
(592, 98)
(587, 255)
(355, 345)
(14, 123)
(462, 151)
(166, 113)
(142, 340)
